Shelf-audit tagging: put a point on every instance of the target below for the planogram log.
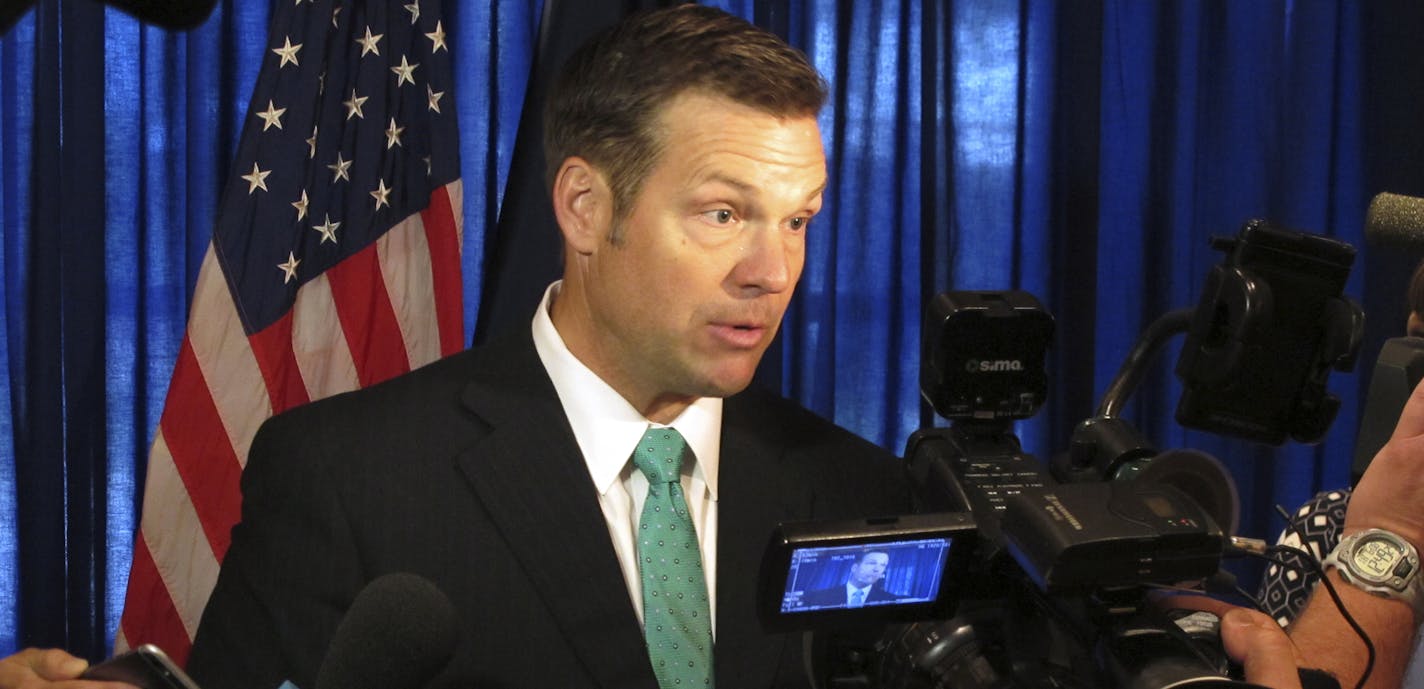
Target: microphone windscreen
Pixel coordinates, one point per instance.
(399, 633)
(1202, 478)
(1395, 220)
(179, 15)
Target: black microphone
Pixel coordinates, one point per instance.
(1395, 220)
(399, 633)
(177, 15)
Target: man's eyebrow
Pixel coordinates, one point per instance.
(751, 190)
(730, 181)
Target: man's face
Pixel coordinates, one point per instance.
(688, 299)
(869, 570)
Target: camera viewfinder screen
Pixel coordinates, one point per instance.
(866, 575)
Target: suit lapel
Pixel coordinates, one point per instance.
(754, 493)
(529, 473)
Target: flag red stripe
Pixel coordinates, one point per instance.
(149, 614)
(443, 237)
(272, 347)
(201, 451)
(367, 317)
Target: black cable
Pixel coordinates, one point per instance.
(1307, 561)
(1255, 602)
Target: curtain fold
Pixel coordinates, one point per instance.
(17, 120)
(1084, 152)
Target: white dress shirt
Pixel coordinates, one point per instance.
(607, 429)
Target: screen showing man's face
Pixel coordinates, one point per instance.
(816, 575)
(869, 570)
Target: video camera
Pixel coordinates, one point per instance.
(1016, 573)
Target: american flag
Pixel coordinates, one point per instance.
(334, 264)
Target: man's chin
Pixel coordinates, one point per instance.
(730, 378)
(726, 386)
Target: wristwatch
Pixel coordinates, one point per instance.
(1381, 563)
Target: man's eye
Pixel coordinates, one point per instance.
(799, 223)
(721, 216)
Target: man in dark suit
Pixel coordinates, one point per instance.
(859, 587)
(685, 163)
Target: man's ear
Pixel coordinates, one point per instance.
(582, 204)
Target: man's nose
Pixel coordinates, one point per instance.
(766, 261)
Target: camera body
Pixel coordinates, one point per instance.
(1037, 583)
(1040, 578)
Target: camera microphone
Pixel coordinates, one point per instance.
(1395, 220)
(399, 633)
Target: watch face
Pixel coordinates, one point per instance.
(1375, 558)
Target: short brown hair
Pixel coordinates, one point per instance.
(605, 104)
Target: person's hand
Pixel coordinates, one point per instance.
(1251, 638)
(1390, 495)
(36, 668)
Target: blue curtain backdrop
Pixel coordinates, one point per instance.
(1082, 151)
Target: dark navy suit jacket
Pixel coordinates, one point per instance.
(466, 472)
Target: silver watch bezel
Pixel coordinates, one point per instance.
(1409, 588)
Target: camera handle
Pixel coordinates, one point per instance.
(1107, 446)
(1129, 375)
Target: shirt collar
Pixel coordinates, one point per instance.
(605, 425)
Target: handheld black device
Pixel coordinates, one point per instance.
(146, 667)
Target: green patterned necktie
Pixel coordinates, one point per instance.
(676, 618)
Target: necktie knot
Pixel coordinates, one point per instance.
(659, 455)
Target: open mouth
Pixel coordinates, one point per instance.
(741, 335)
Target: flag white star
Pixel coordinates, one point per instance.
(353, 106)
(393, 134)
(429, 167)
(405, 72)
(289, 268)
(301, 205)
(257, 179)
(434, 97)
(334, 14)
(414, 10)
(272, 117)
(380, 195)
(368, 44)
(327, 230)
(437, 39)
(288, 52)
(312, 143)
(340, 167)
